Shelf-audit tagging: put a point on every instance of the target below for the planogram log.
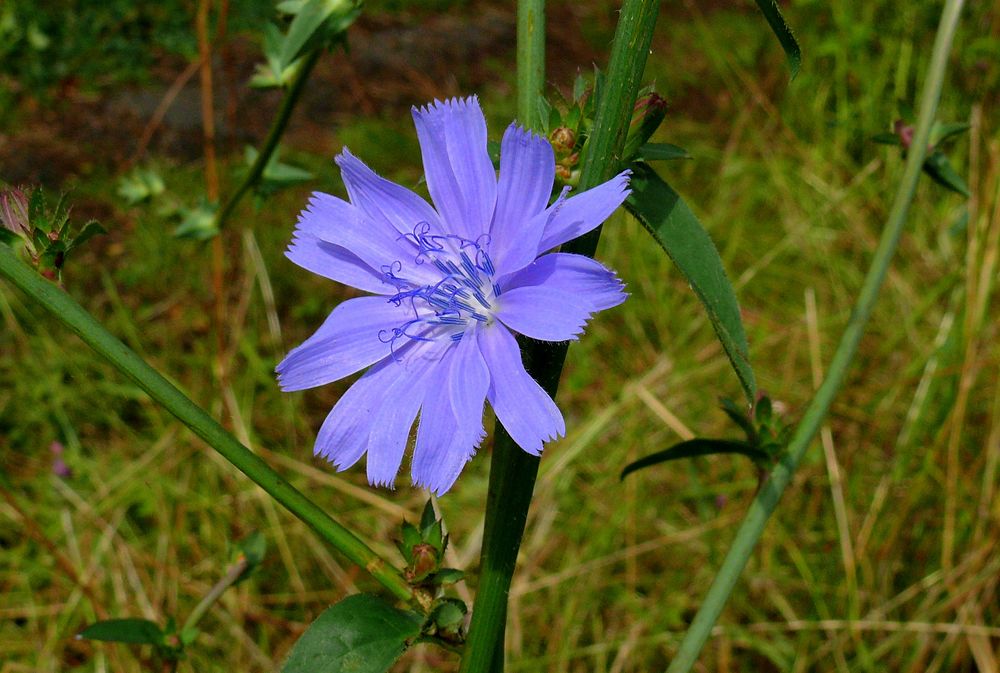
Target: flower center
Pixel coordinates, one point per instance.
(464, 292)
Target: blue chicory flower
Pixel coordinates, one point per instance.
(450, 285)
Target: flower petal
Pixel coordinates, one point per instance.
(451, 420)
(575, 216)
(391, 426)
(381, 199)
(343, 437)
(460, 175)
(586, 278)
(543, 312)
(526, 411)
(527, 171)
(336, 263)
(345, 434)
(375, 242)
(348, 341)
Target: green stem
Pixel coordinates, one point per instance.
(767, 498)
(530, 61)
(229, 579)
(273, 136)
(512, 471)
(76, 318)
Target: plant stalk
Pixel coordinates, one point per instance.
(77, 319)
(512, 471)
(273, 136)
(777, 480)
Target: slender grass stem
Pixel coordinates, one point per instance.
(512, 471)
(767, 498)
(233, 575)
(77, 319)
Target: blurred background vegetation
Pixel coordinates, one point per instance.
(116, 511)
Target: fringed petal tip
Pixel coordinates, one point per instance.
(446, 106)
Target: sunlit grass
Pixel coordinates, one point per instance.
(610, 572)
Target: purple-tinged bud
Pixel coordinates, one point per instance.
(905, 133)
(14, 211)
(647, 115)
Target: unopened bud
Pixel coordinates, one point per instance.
(647, 115)
(14, 211)
(563, 140)
(425, 560)
(905, 133)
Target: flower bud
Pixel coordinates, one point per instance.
(647, 115)
(14, 211)
(563, 140)
(905, 133)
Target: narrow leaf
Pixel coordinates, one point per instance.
(783, 32)
(134, 631)
(697, 447)
(674, 226)
(360, 634)
(662, 152)
(941, 171)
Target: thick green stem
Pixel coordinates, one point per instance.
(767, 498)
(273, 136)
(530, 61)
(75, 317)
(512, 471)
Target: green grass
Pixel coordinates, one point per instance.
(610, 572)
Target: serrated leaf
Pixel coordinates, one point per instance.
(133, 631)
(940, 170)
(662, 152)
(697, 447)
(783, 32)
(674, 226)
(360, 634)
(90, 229)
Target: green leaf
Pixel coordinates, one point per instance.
(940, 170)
(197, 224)
(7, 236)
(783, 32)
(134, 631)
(427, 518)
(446, 576)
(674, 226)
(942, 131)
(662, 152)
(90, 229)
(313, 16)
(448, 613)
(360, 634)
(698, 447)
(886, 138)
